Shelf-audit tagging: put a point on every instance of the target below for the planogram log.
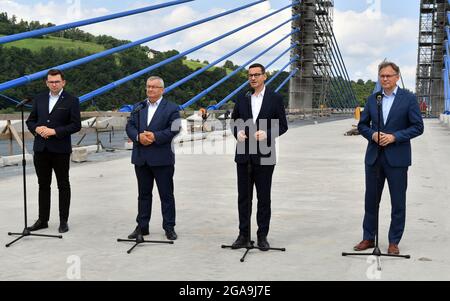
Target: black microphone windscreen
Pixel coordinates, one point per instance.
(379, 96)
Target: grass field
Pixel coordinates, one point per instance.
(37, 44)
(195, 65)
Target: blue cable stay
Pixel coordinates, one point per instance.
(44, 31)
(338, 85)
(347, 77)
(340, 68)
(336, 97)
(28, 78)
(293, 73)
(338, 76)
(212, 87)
(446, 73)
(209, 66)
(117, 83)
(295, 58)
(245, 84)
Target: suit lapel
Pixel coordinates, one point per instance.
(143, 117)
(249, 107)
(44, 105)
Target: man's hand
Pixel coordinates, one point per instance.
(45, 132)
(146, 138)
(387, 139)
(40, 130)
(241, 136)
(150, 136)
(260, 136)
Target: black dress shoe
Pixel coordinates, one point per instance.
(138, 231)
(241, 242)
(38, 225)
(63, 227)
(263, 244)
(171, 234)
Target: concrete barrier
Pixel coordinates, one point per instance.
(16, 160)
(79, 155)
(1, 162)
(446, 119)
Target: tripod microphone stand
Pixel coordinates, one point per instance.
(140, 238)
(25, 232)
(250, 245)
(377, 252)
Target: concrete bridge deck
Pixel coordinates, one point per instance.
(317, 209)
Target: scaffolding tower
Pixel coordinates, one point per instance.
(429, 82)
(310, 88)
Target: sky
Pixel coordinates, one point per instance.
(368, 31)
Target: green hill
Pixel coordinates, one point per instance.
(194, 65)
(37, 44)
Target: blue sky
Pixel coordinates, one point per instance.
(365, 38)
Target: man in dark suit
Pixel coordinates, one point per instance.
(54, 118)
(401, 121)
(152, 130)
(259, 117)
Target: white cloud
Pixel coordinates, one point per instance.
(366, 39)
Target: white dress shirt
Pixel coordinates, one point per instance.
(152, 107)
(388, 101)
(257, 100)
(53, 100)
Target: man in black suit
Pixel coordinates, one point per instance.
(54, 118)
(152, 130)
(258, 118)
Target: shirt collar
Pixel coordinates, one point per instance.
(262, 93)
(156, 103)
(393, 93)
(59, 94)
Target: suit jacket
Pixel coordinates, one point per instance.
(271, 119)
(404, 122)
(165, 125)
(64, 119)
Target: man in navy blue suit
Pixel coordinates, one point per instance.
(401, 121)
(54, 118)
(258, 118)
(152, 130)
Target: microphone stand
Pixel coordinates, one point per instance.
(377, 252)
(250, 243)
(140, 238)
(25, 232)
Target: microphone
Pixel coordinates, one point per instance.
(139, 106)
(379, 97)
(249, 93)
(24, 102)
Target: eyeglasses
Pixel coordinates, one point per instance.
(255, 75)
(54, 82)
(387, 76)
(154, 87)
